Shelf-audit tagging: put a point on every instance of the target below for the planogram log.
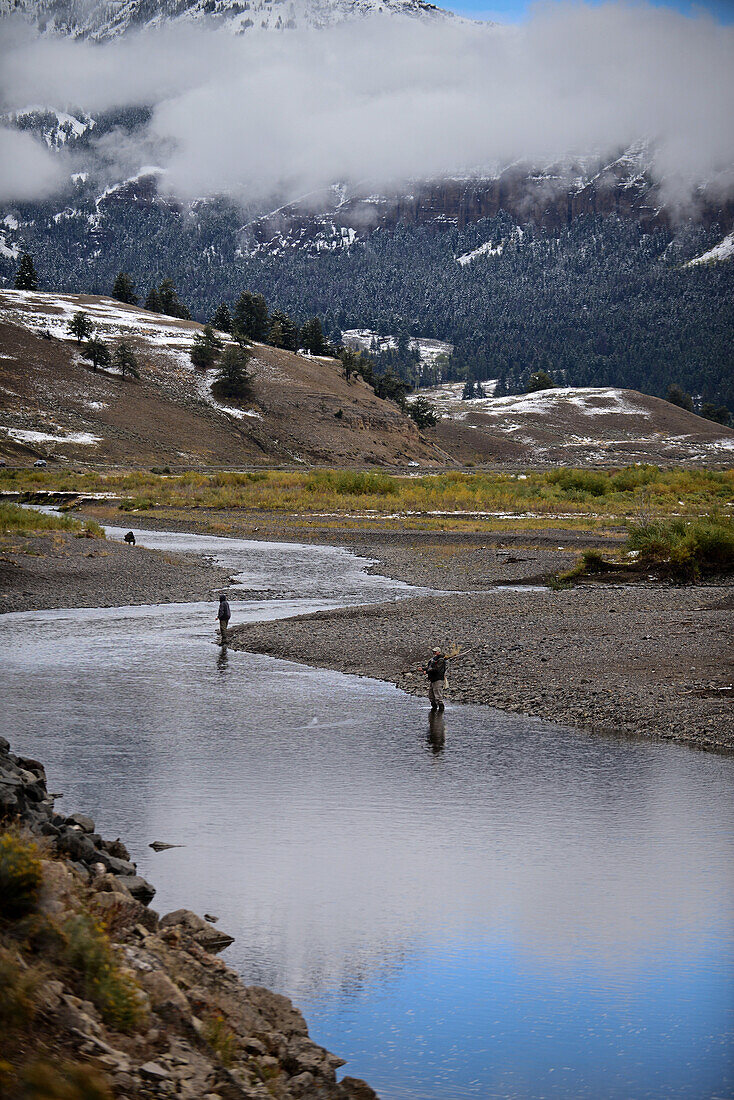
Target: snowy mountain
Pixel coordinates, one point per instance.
(105, 19)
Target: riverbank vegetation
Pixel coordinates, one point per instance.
(682, 550)
(459, 500)
(15, 520)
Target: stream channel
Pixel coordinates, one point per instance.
(497, 908)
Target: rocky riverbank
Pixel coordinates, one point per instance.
(57, 569)
(101, 998)
(653, 661)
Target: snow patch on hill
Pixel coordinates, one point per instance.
(364, 339)
(724, 250)
(589, 401)
(85, 439)
(490, 248)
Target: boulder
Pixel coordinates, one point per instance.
(354, 1088)
(152, 1071)
(139, 888)
(208, 937)
(85, 823)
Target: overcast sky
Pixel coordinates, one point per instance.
(385, 100)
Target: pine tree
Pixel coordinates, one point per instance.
(468, 392)
(275, 334)
(25, 276)
(349, 360)
(283, 331)
(312, 337)
(422, 412)
(153, 301)
(539, 380)
(126, 360)
(205, 349)
(80, 326)
(123, 289)
(97, 352)
(222, 318)
(676, 396)
(170, 304)
(233, 379)
(251, 315)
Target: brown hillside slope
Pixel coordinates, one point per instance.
(577, 427)
(55, 406)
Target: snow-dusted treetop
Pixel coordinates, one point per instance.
(104, 19)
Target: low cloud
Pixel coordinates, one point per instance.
(28, 171)
(387, 100)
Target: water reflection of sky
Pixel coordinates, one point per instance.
(517, 911)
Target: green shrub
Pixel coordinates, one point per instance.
(88, 952)
(351, 483)
(25, 521)
(634, 477)
(221, 1038)
(685, 549)
(593, 562)
(20, 876)
(583, 481)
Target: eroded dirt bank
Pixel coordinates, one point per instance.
(655, 661)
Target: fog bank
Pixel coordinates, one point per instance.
(387, 100)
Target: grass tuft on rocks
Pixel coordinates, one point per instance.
(90, 954)
(20, 876)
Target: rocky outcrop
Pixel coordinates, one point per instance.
(198, 1033)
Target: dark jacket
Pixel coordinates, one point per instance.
(224, 612)
(436, 668)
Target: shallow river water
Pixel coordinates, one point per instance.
(489, 907)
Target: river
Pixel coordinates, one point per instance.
(489, 907)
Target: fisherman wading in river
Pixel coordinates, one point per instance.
(223, 616)
(435, 670)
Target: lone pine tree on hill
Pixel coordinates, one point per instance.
(206, 348)
(222, 318)
(165, 299)
(126, 360)
(97, 352)
(171, 305)
(312, 337)
(283, 331)
(251, 315)
(123, 289)
(80, 326)
(539, 380)
(25, 276)
(233, 379)
(153, 301)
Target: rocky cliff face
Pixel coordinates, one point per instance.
(105, 19)
(552, 196)
(101, 998)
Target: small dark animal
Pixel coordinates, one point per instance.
(130, 538)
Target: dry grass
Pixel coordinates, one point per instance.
(454, 501)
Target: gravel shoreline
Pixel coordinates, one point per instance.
(654, 662)
(57, 569)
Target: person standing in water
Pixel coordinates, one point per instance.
(435, 670)
(223, 615)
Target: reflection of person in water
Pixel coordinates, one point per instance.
(222, 658)
(436, 731)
